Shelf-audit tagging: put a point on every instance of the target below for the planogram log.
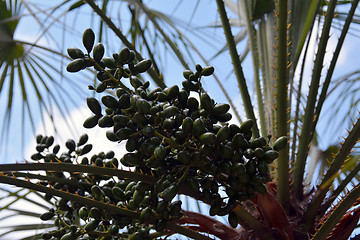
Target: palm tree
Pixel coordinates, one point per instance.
(278, 39)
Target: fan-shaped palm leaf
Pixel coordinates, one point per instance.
(30, 86)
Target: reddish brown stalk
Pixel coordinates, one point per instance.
(209, 225)
(273, 215)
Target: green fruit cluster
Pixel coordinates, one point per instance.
(185, 142)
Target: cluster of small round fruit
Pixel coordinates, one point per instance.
(182, 140)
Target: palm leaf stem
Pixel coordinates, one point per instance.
(266, 53)
(350, 177)
(308, 25)
(103, 9)
(282, 111)
(331, 174)
(242, 213)
(304, 139)
(67, 195)
(51, 179)
(157, 79)
(298, 100)
(73, 168)
(66, 167)
(237, 66)
(334, 59)
(338, 213)
(94, 203)
(172, 45)
(252, 39)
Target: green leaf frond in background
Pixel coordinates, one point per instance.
(31, 88)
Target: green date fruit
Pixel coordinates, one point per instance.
(271, 155)
(138, 196)
(124, 55)
(207, 138)
(280, 143)
(101, 87)
(47, 216)
(105, 122)
(221, 108)
(143, 66)
(232, 218)
(143, 106)
(169, 193)
(206, 102)
(146, 214)
(169, 111)
(135, 236)
(187, 125)
(207, 71)
(76, 65)
(223, 134)
(83, 213)
(96, 213)
(109, 62)
(246, 126)
(239, 142)
(68, 236)
(75, 53)
(70, 144)
(173, 92)
(98, 52)
(83, 139)
(86, 149)
(110, 102)
(91, 226)
(88, 39)
(192, 103)
(160, 152)
(188, 85)
(96, 191)
(199, 127)
(250, 167)
(187, 74)
(94, 105)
